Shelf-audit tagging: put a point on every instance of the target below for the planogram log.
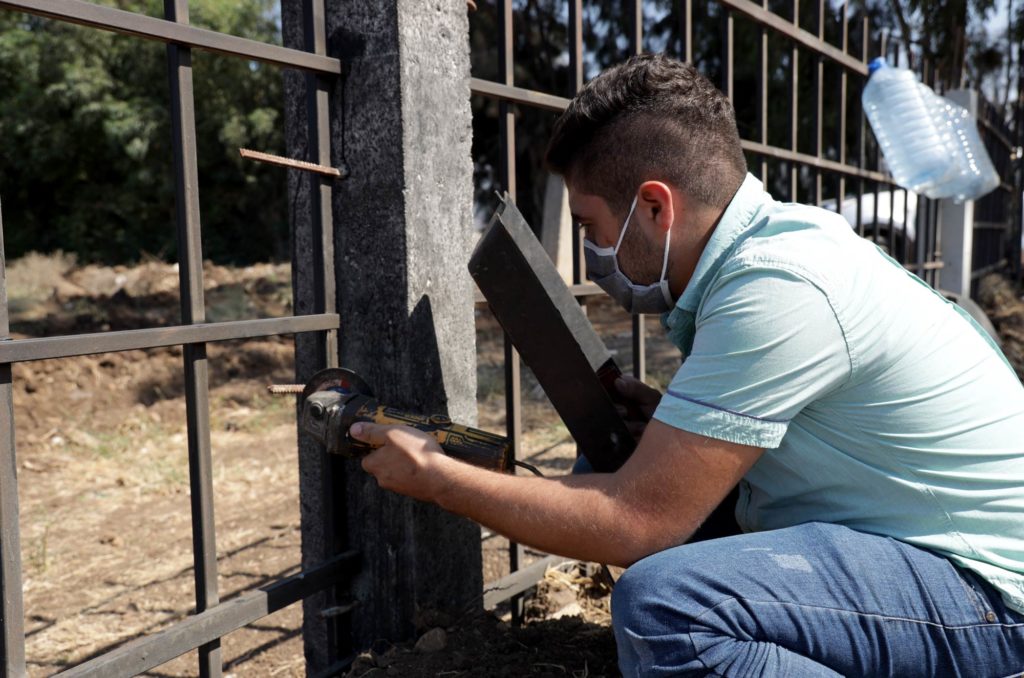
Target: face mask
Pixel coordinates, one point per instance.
(603, 269)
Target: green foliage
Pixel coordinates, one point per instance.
(85, 139)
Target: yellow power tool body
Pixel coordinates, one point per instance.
(336, 398)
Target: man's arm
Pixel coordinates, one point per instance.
(657, 499)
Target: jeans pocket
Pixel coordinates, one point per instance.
(975, 593)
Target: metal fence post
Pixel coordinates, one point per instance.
(12, 614)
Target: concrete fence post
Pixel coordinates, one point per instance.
(956, 223)
(401, 124)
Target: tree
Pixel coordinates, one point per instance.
(85, 156)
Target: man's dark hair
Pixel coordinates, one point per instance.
(649, 118)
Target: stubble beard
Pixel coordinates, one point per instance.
(641, 260)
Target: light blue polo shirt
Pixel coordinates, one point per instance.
(880, 405)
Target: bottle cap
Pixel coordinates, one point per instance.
(876, 63)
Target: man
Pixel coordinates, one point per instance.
(876, 434)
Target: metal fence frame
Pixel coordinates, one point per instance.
(861, 172)
(213, 618)
(996, 241)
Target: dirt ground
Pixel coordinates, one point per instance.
(104, 495)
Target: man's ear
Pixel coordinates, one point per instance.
(657, 205)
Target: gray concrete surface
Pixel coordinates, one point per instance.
(401, 122)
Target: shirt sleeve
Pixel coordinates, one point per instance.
(767, 344)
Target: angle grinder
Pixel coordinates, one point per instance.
(336, 398)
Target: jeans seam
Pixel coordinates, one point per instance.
(973, 594)
(948, 627)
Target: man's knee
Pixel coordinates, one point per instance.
(647, 596)
(651, 615)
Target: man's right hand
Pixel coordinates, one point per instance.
(637, 402)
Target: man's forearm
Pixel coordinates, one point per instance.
(579, 517)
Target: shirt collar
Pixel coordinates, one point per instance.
(736, 220)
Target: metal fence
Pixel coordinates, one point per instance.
(997, 216)
(213, 618)
(845, 175)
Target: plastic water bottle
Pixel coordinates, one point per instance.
(919, 153)
(975, 175)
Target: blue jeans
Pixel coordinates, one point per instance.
(812, 600)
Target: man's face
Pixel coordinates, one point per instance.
(640, 256)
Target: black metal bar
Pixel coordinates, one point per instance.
(686, 34)
(518, 95)
(901, 257)
(513, 371)
(794, 106)
(324, 353)
(819, 100)
(639, 326)
(153, 650)
(319, 148)
(581, 290)
(579, 266)
(636, 26)
(727, 53)
(792, 30)
(862, 153)
(576, 44)
(193, 310)
(12, 611)
(517, 582)
(762, 94)
(812, 161)
(841, 180)
(46, 348)
(151, 28)
(639, 347)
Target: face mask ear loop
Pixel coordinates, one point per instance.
(664, 263)
(625, 224)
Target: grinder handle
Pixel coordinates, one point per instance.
(471, 445)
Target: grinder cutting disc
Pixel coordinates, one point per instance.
(340, 378)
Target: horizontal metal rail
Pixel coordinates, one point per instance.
(152, 28)
(587, 289)
(550, 102)
(813, 161)
(991, 225)
(996, 131)
(46, 348)
(979, 273)
(798, 35)
(517, 95)
(155, 649)
(521, 580)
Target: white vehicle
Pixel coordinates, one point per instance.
(897, 213)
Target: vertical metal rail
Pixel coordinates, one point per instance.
(576, 68)
(686, 30)
(639, 333)
(819, 100)
(728, 29)
(193, 310)
(513, 367)
(762, 95)
(1017, 168)
(12, 610)
(845, 44)
(862, 156)
(319, 150)
(794, 107)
